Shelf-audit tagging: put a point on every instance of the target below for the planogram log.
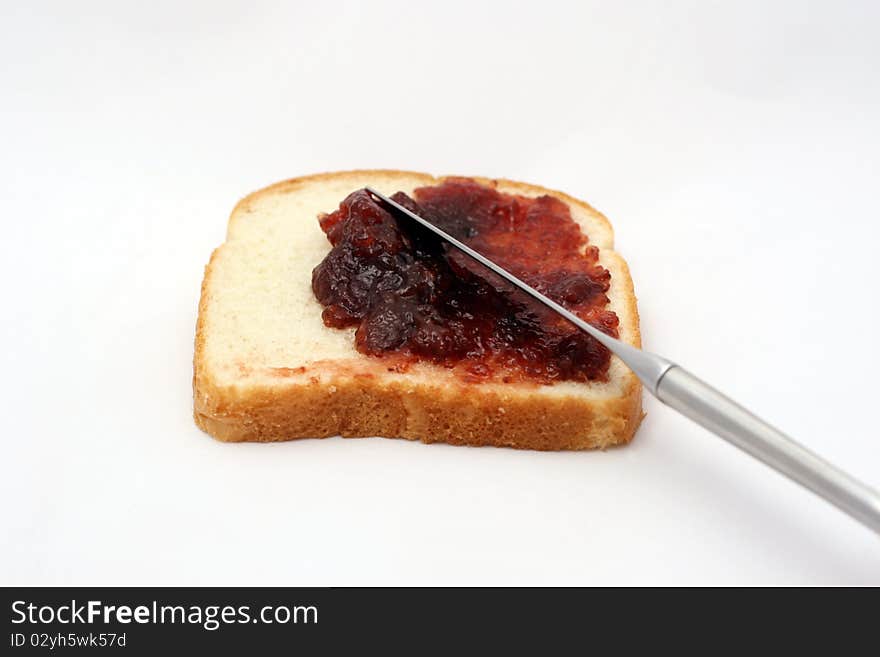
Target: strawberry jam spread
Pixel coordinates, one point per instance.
(412, 297)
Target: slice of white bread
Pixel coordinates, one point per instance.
(267, 368)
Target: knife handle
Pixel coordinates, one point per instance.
(721, 415)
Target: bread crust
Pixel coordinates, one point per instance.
(358, 406)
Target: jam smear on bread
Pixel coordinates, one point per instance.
(413, 298)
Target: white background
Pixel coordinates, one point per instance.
(735, 147)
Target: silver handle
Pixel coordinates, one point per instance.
(709, 408)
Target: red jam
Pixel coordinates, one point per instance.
(412, 297)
